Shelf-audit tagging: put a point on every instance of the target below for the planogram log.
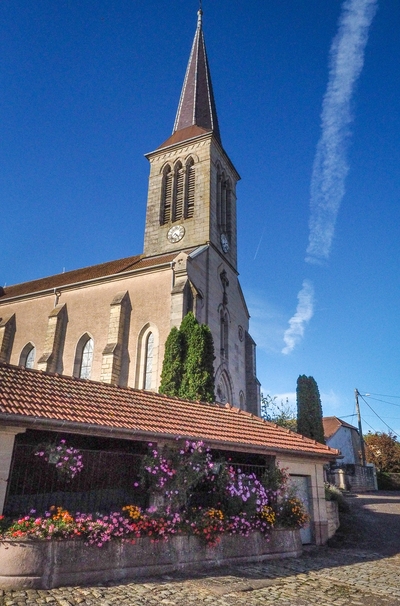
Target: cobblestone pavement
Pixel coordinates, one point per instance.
(360, 568)
(324, 576)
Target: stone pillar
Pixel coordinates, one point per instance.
(7, 332)
(51, 360)
(179, 290)
(116, 342)
(7, 438)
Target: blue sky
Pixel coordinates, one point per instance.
(87, 88)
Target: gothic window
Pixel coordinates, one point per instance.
(147, 373)
(84, 357)
(179, 192)
(148, 362)
(190, 188)
(224, 203)
(27, 357)
(166, 203)
(224, 326)
(242, 400)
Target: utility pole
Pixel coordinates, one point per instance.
(356, 393)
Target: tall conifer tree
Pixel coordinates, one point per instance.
(188, 369)
(309, 409)
(171, 376)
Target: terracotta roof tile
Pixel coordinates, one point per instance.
(35, 395)
(189, 132)
(84, 274)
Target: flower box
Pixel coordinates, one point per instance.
(55, 563)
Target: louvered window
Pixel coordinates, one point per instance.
(190, 176)
(179, 193)
(167, 196)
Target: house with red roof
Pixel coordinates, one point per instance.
(36, 406)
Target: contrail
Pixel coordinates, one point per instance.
(304, 313)
(330, 164)
(259, 244)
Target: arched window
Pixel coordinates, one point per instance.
(224, 203)
(190, 189)
(27, 357)
(148, 362)
(224, 327)
(242, 400)
(166, 201)
(84, 357)
(147, 373)
(87, 359)
(179, 192)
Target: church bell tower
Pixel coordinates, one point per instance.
(192, 185)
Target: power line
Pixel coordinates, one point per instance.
(382, 395)
(385, 402)
(380, 418)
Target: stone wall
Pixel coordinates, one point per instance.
(332, 513)
(47, 564)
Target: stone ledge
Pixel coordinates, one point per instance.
(47, 564)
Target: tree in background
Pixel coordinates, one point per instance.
(282, 414)
(383, 450)
(171, 376)
(188, 367)
(309, 409)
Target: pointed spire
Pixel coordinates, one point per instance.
(197, 105)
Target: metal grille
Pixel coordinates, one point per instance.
(106, 483)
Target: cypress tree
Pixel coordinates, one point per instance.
(171, 375)
(198, 370)
(188, 369)
(309, 409)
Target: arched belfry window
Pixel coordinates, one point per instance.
(84, 357)
(224, 203)
(148, 362)
(27, 357)
(166, 203)
(190, 189)
(177, 192)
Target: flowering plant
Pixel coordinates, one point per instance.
(291, 512)
(67, 460)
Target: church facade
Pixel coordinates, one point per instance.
(109, 322)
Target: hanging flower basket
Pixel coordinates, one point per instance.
(66, 459)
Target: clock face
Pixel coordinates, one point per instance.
(176, 233)
(224, 243)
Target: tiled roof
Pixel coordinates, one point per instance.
(332, 424)
(29, 397)
(84, 274)
(189, 132)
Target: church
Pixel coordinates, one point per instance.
(109, 322)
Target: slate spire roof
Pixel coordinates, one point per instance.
(196, 105)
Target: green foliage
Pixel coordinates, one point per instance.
(383, 450)
(188, 370)
(171, 376)
(198, 369)
(282, 414)
(332, 493)
(309, 409)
